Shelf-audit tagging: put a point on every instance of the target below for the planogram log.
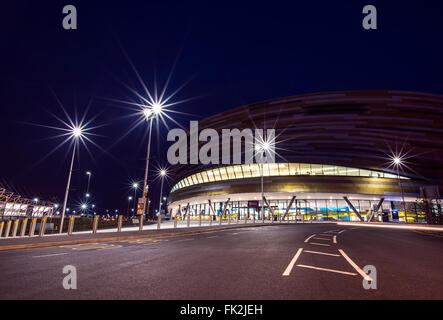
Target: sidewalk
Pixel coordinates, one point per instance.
(106, 235)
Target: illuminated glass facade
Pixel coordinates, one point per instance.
(253, 170)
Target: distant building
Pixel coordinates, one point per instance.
(334, 154)
(13, 205)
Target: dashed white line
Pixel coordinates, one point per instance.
(316, 238)
(287, 272)
(357, 268)
(323, 253)
(334, 239)
(185, 239)
(342, 231)
(309, 238)
(50, 255)
(329, 270)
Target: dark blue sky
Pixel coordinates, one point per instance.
(235, 53)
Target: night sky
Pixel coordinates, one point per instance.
(232, 54)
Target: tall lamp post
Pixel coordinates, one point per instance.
(88, 173)
(135, 186)
(76, 134)
(150, 113)
(262, 147)
(129, 201)
(397, 163)
(162, 175)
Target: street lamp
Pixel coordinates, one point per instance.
(89, 174)
(162, 174)
(150, 113)
(76, 134)
(397, 161)
(127, 210)
(135, 186)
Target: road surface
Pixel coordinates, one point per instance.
(309, 261)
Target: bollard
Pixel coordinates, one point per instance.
(279, 218)
(23, 227)
(253, 219)
(140, 223)
(238, 216)
(175, 222)
(119, 223)
(14, 228)
(2, 225)
(8, 228)
(229, 218)
(32, 227)
(220, 219)
(188, 223)
(159, 221)
(200, 220)
(210, 220)
(41, 232)
(71, 225)
(94, 224)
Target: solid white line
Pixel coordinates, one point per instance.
(324, 253)
(50, 255)
(320, 244)
(391, 226)
(321, 239)
(334, 239)
(342, 231)
(291, 264)
(329, 270)
(308, 238)
(357, 268)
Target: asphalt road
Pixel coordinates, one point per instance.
(251, 263)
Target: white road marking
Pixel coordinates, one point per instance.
(320, 244)
(211, 237)
(321, 239)
(291, 264)
(357, 268)
(50, 255)
(308, 238)
(334, 239)
(342, 231)
(324, 253)
(186, 239)
(329, 270)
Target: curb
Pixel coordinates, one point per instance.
(393, 226)
(110, 239)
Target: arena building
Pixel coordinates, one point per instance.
(339, 156)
